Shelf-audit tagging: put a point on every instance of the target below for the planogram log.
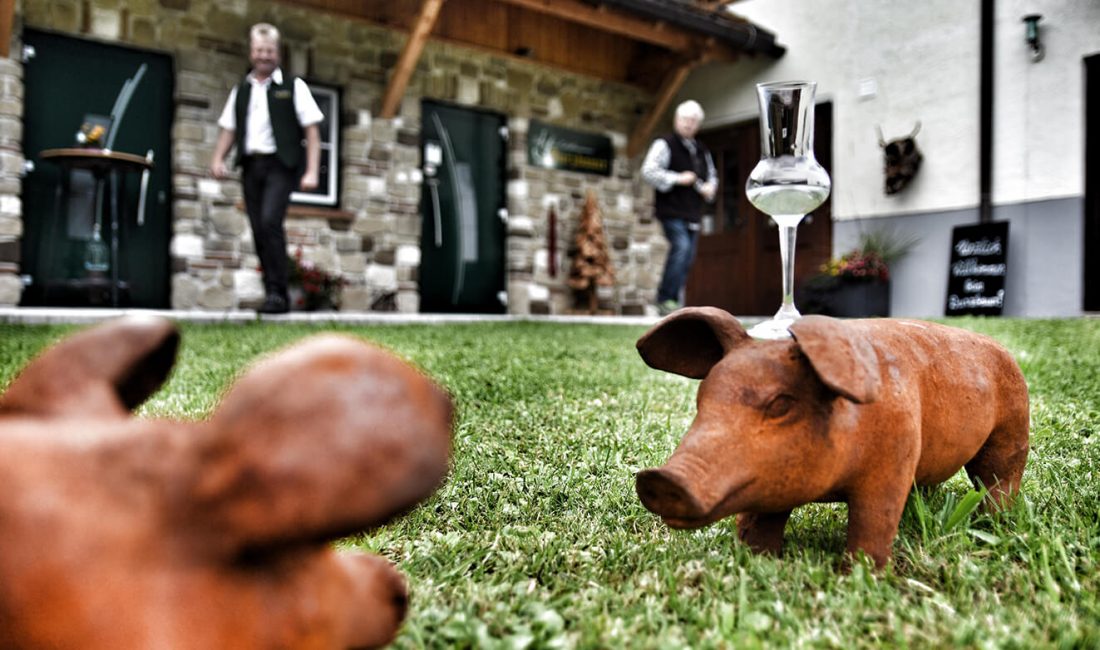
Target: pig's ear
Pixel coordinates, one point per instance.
(324, 439)
(106, 370)
(690, 341)
(841, 356)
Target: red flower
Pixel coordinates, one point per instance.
(858, 265)
(319, 288)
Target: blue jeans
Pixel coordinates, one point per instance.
(681, 235)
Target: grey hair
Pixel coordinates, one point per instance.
(690, 108)
(264, 31)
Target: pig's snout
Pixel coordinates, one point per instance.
(664, 493)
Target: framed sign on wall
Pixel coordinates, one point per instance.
(555, 147)
(328, 187)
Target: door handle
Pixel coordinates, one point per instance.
(144, 188)
(433, 186)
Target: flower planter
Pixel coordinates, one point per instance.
(859, 298)
(845, 298)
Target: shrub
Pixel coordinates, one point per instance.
(870, 260)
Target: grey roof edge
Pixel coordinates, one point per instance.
(744, 36)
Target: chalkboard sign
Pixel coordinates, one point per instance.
(554, 147)
(976, 279)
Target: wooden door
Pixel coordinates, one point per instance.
(737, 262)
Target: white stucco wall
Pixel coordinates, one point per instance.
(923, 61)
(1039, 119)
(892, 64)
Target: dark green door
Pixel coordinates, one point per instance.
(67, 79)
(463, 209)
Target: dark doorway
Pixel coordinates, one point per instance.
(463, 209)
(66, 80)
(1092, 183)
(737, 263)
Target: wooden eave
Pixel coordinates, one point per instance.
(636, 42)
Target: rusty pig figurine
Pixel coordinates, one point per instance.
(855, 411)
(139, 533)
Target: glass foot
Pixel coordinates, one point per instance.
(778, 326)
(772, 330)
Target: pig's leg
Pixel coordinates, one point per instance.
(873, 517)
(763, 531)
(999, 464)
(378, 601)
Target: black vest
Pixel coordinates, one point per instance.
(284, 121)
(682, 201)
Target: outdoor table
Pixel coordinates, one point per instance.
(103, 164)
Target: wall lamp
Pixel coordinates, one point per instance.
(1031, 33)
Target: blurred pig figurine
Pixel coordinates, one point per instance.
(139, 533)
(855, 411)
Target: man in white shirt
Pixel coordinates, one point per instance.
(266, 120)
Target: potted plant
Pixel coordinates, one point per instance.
(858, 282)
(311, 288)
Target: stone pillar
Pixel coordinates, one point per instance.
(11, 170)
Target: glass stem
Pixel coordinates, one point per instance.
(787, 234)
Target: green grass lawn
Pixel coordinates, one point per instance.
(538, 540)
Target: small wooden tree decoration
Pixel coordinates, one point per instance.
(591, 267)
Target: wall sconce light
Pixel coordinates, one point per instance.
(1031, 33)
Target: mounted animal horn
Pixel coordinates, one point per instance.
(903, 159)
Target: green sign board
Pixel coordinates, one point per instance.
(554, 147)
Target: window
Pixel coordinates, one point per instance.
(328, 187)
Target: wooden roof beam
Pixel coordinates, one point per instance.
(616, 22)
(708, 53)
(714, 5)
(406, 63)
(7, 11)
(669, 87)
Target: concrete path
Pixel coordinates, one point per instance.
(59, 315)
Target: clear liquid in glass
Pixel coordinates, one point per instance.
(782, 202)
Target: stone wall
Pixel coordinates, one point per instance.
(637, 247)
(373, 241)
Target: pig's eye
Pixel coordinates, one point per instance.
(779, 406)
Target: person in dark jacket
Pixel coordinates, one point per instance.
(682, 171)
(267, 118)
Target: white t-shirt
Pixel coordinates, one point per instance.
(259, 136)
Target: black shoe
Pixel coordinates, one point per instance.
(274, 304)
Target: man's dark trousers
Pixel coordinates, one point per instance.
(267, 184)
